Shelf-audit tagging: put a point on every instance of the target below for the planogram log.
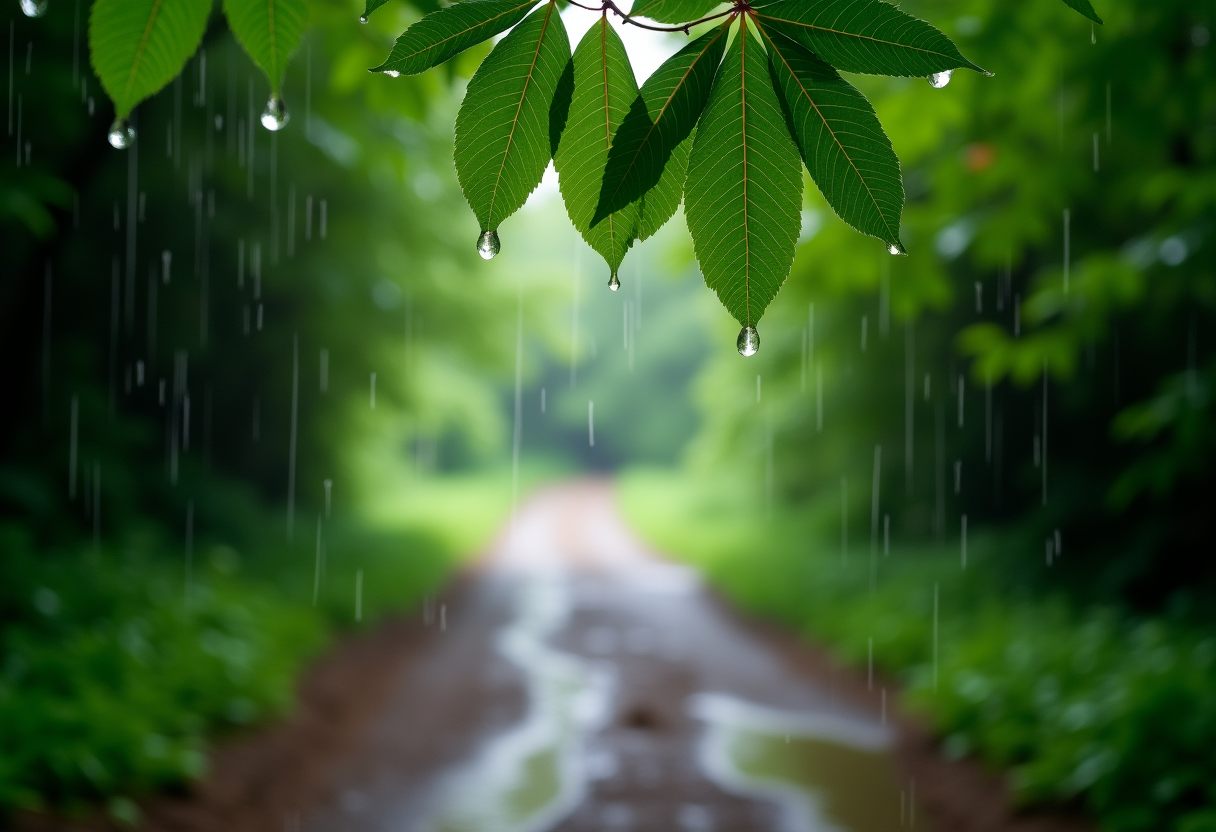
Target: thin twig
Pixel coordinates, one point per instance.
(610, 6)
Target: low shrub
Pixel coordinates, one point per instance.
(1080, 704)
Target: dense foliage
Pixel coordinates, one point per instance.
(1032, 388)
(1038, 371)
(1046, 361)
(721, 124)
(190, 323)
(1083, 707)
(764, 87)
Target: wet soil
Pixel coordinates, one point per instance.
(390, 719)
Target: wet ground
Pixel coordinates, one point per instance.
(575, 681)
(611, 693)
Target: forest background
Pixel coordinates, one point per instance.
(262, 389)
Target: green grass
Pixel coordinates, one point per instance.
(115, 679)
(1085, 706)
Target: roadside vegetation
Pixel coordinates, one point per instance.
(1086, 705)
(246, 368)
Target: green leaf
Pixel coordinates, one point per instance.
(370, 7)
(659, 204)
(865, 36)
(1085, 8)
(744, 190)
(604, 88)
(269, 31)
(448, 32)
(674, 11)
(844, 147)
(503, 141)
(138, 46)
(659, 122)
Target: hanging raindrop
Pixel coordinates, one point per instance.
(939, 79)
(34, 8)
(122, 134)
(896, 249)
(488, 245)
(275, 116)
(749, 341)
(362, 18)
(614, 282)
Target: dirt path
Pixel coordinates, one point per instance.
(576, 682)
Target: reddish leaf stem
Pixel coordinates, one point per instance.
(739, 7)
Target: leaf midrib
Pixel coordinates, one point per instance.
(274, 55)
(827, 126)
(466, 30)
(143, 45)
(747, 240)
(662, 111)
(607, 110)
(518, 108)
(854, 35)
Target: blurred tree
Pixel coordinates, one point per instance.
(214, 301)
(1042, 359)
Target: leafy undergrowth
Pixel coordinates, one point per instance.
(117, 672)
(1089, 707)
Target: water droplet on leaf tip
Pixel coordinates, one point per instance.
(488, 245)
(275, 116)
(614, 282)
(896, 249)
(362, 18)
(939, 79)
(748, 341)
(34, 8)
(122, 134)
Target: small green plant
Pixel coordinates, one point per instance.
(725, 125)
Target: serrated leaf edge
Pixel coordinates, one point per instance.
(758, 14)
(722, 31)
(524, 4)
(519, 107)
(894, 238)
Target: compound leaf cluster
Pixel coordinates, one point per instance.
(726, 125)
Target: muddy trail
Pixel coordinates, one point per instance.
(574, 681)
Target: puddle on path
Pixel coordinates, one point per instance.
(530, 778)
(828, 773)
(825, 771)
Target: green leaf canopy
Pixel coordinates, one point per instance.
(503, 141)
(448, 32)
(744, 187)
(138, 46)
(604, 88)
(653, 137)
(673, 11)
(865, 36)
(844, 147)
(269, 31)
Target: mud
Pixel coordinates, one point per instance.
(580, 682)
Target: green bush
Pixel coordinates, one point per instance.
(111, 681)
(1091, 706)
(1121, 714)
